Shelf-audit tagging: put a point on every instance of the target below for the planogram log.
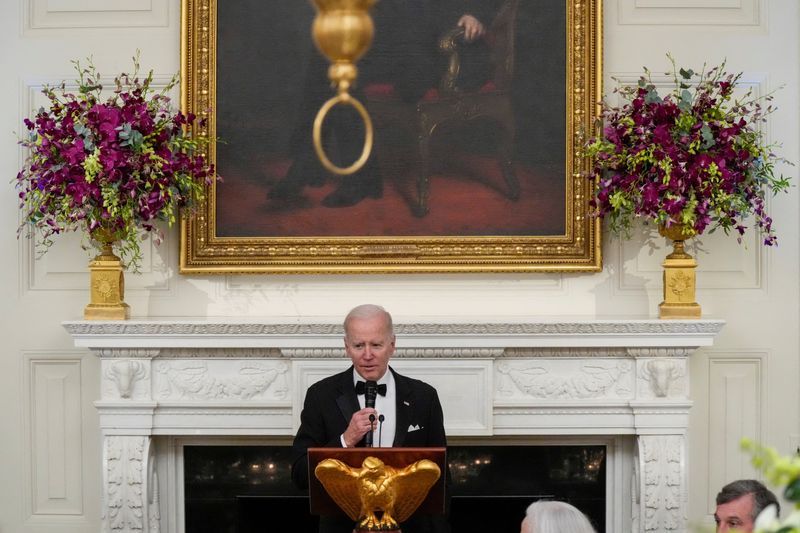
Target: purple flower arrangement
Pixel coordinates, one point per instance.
(112, 165)
(694, 157)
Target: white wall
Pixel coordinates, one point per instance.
(745, 385)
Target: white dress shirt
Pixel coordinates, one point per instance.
(383, 435)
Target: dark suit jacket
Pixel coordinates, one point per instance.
(405, 50)
(328, 407)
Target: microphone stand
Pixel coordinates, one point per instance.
(369, 442)
(370, 393)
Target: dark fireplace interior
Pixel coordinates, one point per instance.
(245, 488)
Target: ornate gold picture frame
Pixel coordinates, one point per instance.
(247, 73)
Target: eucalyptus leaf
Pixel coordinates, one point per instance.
(652, 96)
(708, 136)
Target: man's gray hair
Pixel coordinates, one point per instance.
(762, 496)
(556, 517)
(369, 311)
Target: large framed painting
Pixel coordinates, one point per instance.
(480, 108)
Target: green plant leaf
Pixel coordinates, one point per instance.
(792, 491)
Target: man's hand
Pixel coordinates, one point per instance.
(473, 29)
(359, 425)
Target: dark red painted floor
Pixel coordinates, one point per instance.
(459, 205)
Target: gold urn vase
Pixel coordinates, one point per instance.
(107, 283)
(679, 277)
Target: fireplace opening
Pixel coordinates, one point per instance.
(243, 488)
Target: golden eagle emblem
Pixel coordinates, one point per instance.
(377, 487)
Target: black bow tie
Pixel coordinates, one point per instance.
(361, 388)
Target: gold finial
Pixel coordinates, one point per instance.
(342, 31)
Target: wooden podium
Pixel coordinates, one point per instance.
(323, 504)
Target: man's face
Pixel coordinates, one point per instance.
(369, 345)
(736, 515)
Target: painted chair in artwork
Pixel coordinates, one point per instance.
(452, 106)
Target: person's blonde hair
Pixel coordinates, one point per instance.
(556, 517)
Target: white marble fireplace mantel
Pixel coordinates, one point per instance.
(535, 378)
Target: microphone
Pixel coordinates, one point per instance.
(370, 393)
(380, 428)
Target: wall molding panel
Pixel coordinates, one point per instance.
(100, 14)
(692, 12)
(731, 266)
(736, 398)
(54, 448)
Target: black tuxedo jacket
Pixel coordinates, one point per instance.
(328, 407)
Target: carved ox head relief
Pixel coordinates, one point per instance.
(661, 373)
(124, 374)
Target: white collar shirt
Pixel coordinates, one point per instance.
(386, 406)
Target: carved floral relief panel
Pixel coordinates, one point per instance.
(244, 379)
(564, 379)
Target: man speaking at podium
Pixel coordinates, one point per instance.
(369, 404)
